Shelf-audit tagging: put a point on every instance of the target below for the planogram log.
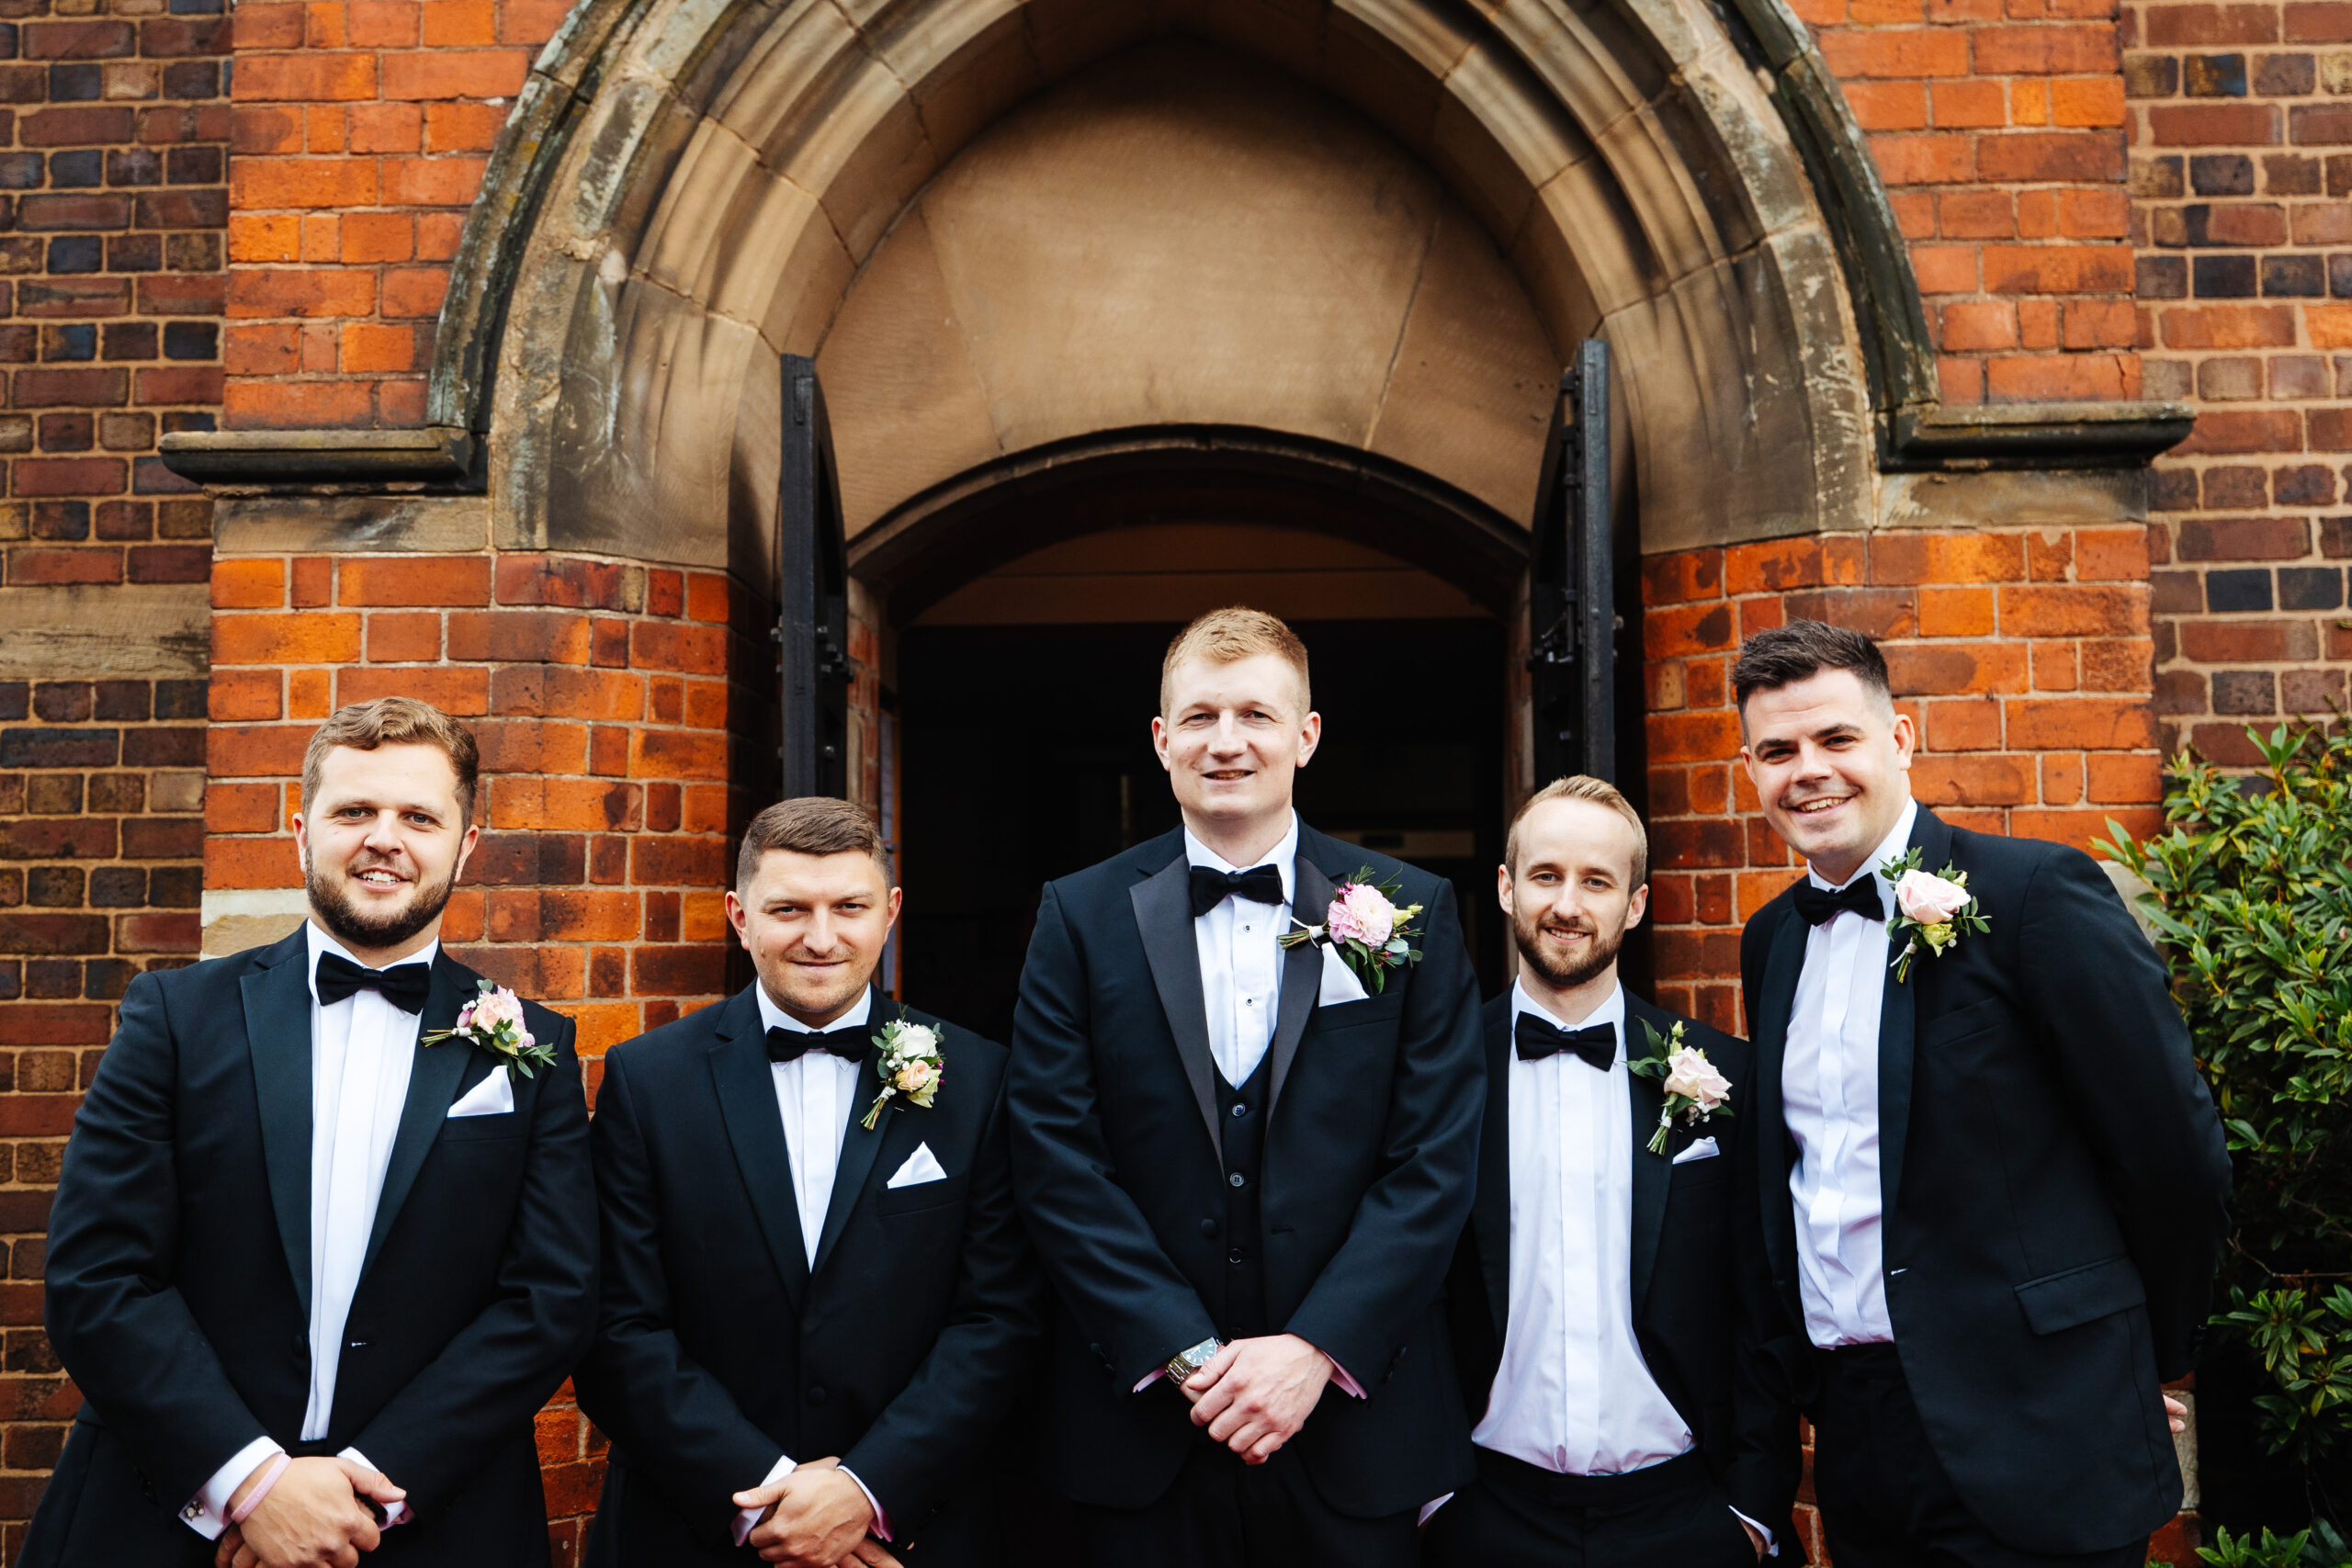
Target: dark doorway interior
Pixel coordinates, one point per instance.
(1027, 755)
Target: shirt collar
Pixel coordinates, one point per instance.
(1611, 1011)
(1888, 848)
(321, 942)
(1282, 857)
(774, 1016)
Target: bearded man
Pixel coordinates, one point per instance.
(1613, 1257)
(320, 1250)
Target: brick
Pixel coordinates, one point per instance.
(695, 650)
(306, 77)
(561, 805)
(1692, 736)
(1902, 53)
(1906, 557)
(2121, 780)
(2045, 50)
(2213, 125)
(2222, 430)
(679, 859)
(455, 73)
(2105, 724)
(1970, 724)
(317, 293)
(1946, 669)
(65, 566)
(295, 638)
(2326, 21)
(2244, 538)
(677, 754)
(1976, 778)
(462, 691)
(2056, 269)
(1686, 629)
(1879, 612)
(2206, 25)
(556, 692)
(2074, 611)
(413, 580)
(2247, 642)
(1666, 579)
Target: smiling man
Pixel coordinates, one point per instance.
(817, 1308)
(1245, 1166)
(314, 1265)
(2002, 1180)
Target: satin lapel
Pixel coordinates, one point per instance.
(860, 1147)
(1490, 1212)
(1783, 962)
(1651, 1172)
(277, 1036)
(1164, 915)
(1301, 980)
(746, 1088)
(1898, 1022)
(431, 1090)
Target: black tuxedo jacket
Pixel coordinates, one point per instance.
(718, 1349)
(179, 1273)
(1371, 1146)
(1700, 1285)
(2053, 1176)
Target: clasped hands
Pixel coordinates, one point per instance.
(313, 1517)
(1255, 1395)
(816, 1518)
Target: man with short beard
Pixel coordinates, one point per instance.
(1613, 1257)
(316, 1260)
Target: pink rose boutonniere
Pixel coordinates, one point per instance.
(1933, 910)
(1371, 935)
(493, 1022)
(1695, 1087)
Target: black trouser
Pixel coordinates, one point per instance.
(1517, 1515)
(1223, 1514)
(1885, 1501)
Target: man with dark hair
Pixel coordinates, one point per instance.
(2004, 1179)
(817, 1303)
(1614, 1256)
(324, 1243)
(1245, 1157)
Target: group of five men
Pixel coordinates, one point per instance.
(1263, 1243)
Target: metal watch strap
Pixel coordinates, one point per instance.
(1192, 1359)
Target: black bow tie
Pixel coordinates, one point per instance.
(403, 985)
(790, 1044)
(1259, 884)
(1539, 1038)
(1819, 906)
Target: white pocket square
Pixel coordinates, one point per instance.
(922, 1166)
(1340, 982)
(494, 1096)
(1700, 1148)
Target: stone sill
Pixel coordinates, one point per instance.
(2033, 435)
(434, 454)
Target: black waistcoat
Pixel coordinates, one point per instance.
(1244, 1111)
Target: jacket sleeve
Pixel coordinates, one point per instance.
(1389, 1269)
(436, 1435)
(124, 1333)
(2096, 992)
(928, 1438)
(681, 1428)
(1765, 1461)
(1098, 1248)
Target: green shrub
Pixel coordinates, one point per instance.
(2318, 1547)
(2253, 901)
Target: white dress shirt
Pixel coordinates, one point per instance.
(362, 1049)
(1829, 1096)
(814, 1092)
(1241, 966)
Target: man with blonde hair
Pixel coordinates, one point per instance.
(1245, 1087)
(1612, 1266)
(324, 1241)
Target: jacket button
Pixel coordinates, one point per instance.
(816, 1394)
(1237, 1179)
(1209, 1228)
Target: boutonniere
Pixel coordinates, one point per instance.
(907, 1059)
(1931, 909)
(493, 1022)
(1695, 1087)
(1372, 934)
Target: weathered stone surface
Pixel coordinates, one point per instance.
(2086, 500)
(157, 631)
(272, 524)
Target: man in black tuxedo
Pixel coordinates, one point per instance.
(2005, 1180)
(817, 1314)
(1245, 1168)
(313, 1272)
(1596, 1296)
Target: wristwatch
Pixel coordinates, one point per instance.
(1184, 1363)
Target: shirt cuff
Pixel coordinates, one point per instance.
(207, 1513)
(881, 1531)
(1432, 1507)
(748, 1519)
(1771, 1547)
(394, 1512)
(1348, 1385)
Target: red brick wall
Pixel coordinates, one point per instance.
(2241, 120)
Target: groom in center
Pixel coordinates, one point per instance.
(1245, 1164)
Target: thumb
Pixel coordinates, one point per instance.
(760, 1496)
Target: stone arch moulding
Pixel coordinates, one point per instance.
(1685, 183)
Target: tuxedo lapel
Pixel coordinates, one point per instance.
(1302, 971)
(1163, 906)
(1783, 962)
(1898, 1022)
(277, 1037)
(1651, 1172)
(432, 1088)
(1490, 1211)
(859, 1147)
(747, 1104)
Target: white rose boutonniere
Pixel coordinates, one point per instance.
(493, 1022)
(1930, 910)
(907, 1060)
(1695, 1087)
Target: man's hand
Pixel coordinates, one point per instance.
(1755, 1539)
(1255, 1395)
(2175, 1413)
(869, 1554)
(817, 1520)
(311, 1518)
